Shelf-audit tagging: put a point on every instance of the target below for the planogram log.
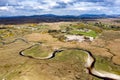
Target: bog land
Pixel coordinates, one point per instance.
(81, 50)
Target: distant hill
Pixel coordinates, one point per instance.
(97, 16)
(50, 18)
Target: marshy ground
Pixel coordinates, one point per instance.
(39, 40)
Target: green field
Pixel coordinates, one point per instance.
(38, 51)
(90, 33)
(105, 64)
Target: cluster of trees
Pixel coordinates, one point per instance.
(107, 26)
(57, 34)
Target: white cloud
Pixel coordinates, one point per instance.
(67, 7)
(117, 2)
(66, 1)
(48, 4)
(28, 3)
(85, 6)
(4, 8)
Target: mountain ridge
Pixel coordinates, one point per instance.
(51, 18)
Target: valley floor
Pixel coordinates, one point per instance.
(51, 36)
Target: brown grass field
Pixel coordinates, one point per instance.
(13, 66)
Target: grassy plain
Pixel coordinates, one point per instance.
(67, 65)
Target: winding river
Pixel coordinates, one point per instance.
(90, 61)
(17, 39)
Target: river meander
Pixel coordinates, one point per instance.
(88, 58)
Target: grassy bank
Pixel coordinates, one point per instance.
(105, 64)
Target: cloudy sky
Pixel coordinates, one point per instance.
(58, 7)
